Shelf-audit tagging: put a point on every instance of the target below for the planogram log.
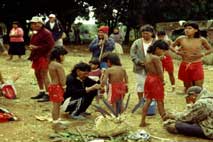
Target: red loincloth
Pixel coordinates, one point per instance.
(41, 63)
(56, 93)
(167, 63)
(117, 92)
(153, 88)
(189, 72)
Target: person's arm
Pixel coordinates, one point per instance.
(61, 76)
(158, 66)
(207, 46)
(110, 44)
(133, 53)
(104, 78)
(194, 114)
(177, 42)
(94, 45)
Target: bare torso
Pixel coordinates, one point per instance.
(57, 73)
(191, 48)
(116, 74)
(153, 65)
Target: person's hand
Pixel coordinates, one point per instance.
(96, 86)
(168, 116)
(101, 42)
(141, 63)
(32, 47)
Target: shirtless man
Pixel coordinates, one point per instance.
(191, 50)
(117, 79)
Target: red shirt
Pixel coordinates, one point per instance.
(45, 42)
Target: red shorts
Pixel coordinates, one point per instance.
(167, 64)
(117, 92)
(189, 72)
(153, 88)
(40, 64)
(56, 93)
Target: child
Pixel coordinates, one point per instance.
(191, 50)
(167, 61)
(153, 88)
(58, 81)
(95, 74)
(117, 78)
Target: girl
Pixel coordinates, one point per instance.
(153, 88)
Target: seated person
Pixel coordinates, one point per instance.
(81, 89)
(197, 119)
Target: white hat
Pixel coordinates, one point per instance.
(52, 15)
(37, 19)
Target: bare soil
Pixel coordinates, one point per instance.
(28, 129)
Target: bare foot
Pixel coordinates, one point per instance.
(144, 124)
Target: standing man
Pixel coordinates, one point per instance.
(101, 44)
(41, 44)
(54, 25)
(192, 48)
(138, 52)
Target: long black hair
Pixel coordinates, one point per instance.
(82, 67)
(158, 44)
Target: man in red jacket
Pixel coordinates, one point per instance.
(41, 44)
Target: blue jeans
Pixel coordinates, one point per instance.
(189, 129)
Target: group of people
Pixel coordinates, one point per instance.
(150, 58)
(16, 37)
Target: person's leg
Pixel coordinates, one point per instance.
(172, 80)
(161, 109)
(56, 111)
(198, 83)
(45, 79)
(40, 85)
(144, 112)
(187, 85)
(189, 129)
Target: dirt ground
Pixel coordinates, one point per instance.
(28, 129)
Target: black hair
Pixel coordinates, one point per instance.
(16, 22)
(159, 33)
(112, 57)
(158, 44)
(82, 67)
(95, 61)
(148, 28)
(195, 26)
(56, 52)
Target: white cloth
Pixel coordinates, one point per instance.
(140, 80)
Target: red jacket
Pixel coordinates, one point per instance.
(45, 42)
